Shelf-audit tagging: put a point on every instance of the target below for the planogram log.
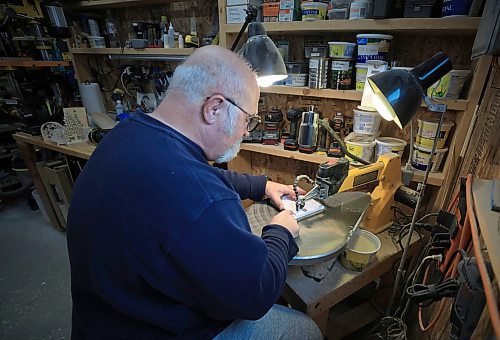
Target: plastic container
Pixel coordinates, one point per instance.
(427, 130)
(97, 42)
(361, 146)
(361, 72)
(341, 74)
(358, 10)
(421, 157)
(338, 14)
(312, 11)
(366, 122)
(297, 74)
(360, 250)
(119, 108)
(455, 7)
(318, 73)
(389, 144)
(93, 28)
(39, 202)
(373, 47)
(450, 86)
(339, 49)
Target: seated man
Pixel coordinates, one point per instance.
(159, 244)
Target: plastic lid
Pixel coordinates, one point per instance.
(340, 43)
(433, 121)
(376, 36)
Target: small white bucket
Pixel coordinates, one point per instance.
(427, 131)
(421, 157)
(389, 144)
(360, 251)
(366, 122)
(361, 146)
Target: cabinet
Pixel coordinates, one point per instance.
(415, 39)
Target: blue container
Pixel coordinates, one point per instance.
(372, 47)
(455, 7)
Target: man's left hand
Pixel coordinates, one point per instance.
(275, 190)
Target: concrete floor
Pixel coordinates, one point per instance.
(35, 298)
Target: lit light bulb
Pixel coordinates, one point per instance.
(266, 81)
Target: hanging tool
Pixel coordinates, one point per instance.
(293, 117)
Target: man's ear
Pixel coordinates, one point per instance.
(212, 108)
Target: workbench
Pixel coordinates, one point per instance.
(301, 292)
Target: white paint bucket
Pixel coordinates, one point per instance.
(427, 130)
(421, 157)
(389, 144)
(366, 122)
(450, 86)
(312, 11)
(373, 47)
(339, 49)
(361, 146)
(360, 250)
(361, 72)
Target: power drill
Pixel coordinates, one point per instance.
(293, 117)
(308, 131)
(334, 149)
(272, 124)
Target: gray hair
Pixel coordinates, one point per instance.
(198, 81)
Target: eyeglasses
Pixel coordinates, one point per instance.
(252, 120)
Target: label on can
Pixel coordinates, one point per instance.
(371, 49)
(341, 65)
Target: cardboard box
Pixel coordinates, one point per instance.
(236, 14)
(271, 9)
(271, 19)
(243, 2)
(290, 4)
(289, 15)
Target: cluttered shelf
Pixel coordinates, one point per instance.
(15, 62)
(80, 150)
(449, 25)
(145, 51)
(91, 4)
(435, 178)
(459, 104)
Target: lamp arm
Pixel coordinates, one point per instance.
(341, 143)
(251, 12)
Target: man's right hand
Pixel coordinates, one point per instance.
(285, 218)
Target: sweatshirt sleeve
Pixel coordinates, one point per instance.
(247, 186)
(233, 273)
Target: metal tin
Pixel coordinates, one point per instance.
(341, 74)
(318, 73)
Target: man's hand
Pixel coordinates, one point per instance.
(286, 219)
(275, 190)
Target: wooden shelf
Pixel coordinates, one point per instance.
(435, 178)
(31, 63)
(96, 4)
(459, 104)
(450, 25)
(133, 51)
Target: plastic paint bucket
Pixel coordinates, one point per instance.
(341, 74)
(427, 131)
(312, 11)
(373, 47)
(366, 122)
(421, 157)
(455, 7)
(389, 144)
(297, 74)
(360, 250)
(340, 49)
(361, 72)
(361, 146)
(450, 86)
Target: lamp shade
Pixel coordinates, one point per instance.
(263, 55)
(398, 93)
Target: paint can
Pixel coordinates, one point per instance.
(427, 131)
(361, 146)
(297, 74)
(312, 11)
(373, 47)
(341, 74)
(340, 49)
(361, 72)
(389, 144)
(421, 157)
(366, 122)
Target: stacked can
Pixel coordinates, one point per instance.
(318, 73)
(341, 54)
(373, 50)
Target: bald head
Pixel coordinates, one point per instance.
(210, 70)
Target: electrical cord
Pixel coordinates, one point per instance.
(421, 293)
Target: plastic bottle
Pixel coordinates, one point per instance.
(181, 41)
(163, 24)
(171, 36)
(119, 108)
(112, 31)
(193, 25)
(165, 40)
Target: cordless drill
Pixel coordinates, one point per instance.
(272, 124)
(293, 117)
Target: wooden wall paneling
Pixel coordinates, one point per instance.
(222, 22)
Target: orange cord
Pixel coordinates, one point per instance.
(488, 290)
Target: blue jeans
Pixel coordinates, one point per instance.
(279, 323)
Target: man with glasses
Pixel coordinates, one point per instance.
(159, 244)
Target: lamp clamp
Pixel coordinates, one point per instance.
(435, 107)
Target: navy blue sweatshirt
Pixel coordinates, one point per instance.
(159, 244)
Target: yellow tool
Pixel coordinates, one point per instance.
(335, 176)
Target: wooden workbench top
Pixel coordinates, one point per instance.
(80, 150)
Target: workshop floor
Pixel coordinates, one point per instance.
(35, 298)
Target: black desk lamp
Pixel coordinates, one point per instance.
(397, 97)
(260, 51)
